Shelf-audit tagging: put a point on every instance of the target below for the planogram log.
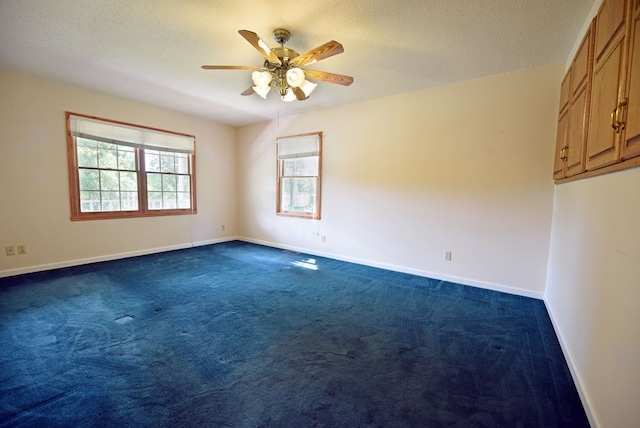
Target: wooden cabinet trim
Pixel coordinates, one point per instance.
(629, 163)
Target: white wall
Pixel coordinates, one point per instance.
(593, 290)
(464, 168)
(34, 189)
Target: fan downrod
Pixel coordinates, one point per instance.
(281, 35)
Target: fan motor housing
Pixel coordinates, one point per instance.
(281, 35)
(285, 54)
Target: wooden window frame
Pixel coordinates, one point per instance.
(279, 178)
(143, 210)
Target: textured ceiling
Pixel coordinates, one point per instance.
(151, 50)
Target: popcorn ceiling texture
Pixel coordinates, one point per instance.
(151, 51)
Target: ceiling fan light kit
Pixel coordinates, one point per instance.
(282, 69)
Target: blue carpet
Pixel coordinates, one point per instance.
(242, 335)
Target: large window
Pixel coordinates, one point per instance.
(121, 170)
(299, 166)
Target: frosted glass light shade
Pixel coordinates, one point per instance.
(308, 87)
(295, 77)
(261, 78)
(289, 96)
(262, 90)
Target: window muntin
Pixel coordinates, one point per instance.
(121, 170)
(299, 171)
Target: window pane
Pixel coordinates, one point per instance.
(183, 183)
(108, 158)
(154, 182)
(110, 201)
(168, 182)
(109, 180)
(89, 179)
(89, 201)
(103, 145)
(300, 167)
(169, 200)
(129, 201)
(154, 200)
(167, 163)
(83, 142)
(182, 163)
(152, 160)
(128, 181)
(127, 158)
(298, 194)
(87, 157)
(184, 200)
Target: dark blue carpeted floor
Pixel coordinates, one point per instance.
(242, 335)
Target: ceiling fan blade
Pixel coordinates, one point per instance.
(260, 46)
(321, 52)
(248, 91)
(231, 67)
(340, 79)
(299, 93)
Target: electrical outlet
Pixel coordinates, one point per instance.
(22, 249)
(447, 256)
(10, 250)
(324, 238)
(223, 228)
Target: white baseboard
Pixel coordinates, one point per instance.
(577, 380)
(108, 257)
(403, 269)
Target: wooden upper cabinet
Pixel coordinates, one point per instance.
(599, 120)
(581, 75)
(561, 145)
(582, 64)
(576, 142)
(603, 147)
(575, 95)
(563, 128)
(565, 91)
(611, 19)
(631, 139)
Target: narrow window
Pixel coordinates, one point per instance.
(299, 175)
(121, 170)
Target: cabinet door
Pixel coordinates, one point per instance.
(561, 145)
(578, 118)
(603, 146)
(582, 63)
(631, 141)
(563, 123)
(565, 91)
(610, 23)
(581, 72)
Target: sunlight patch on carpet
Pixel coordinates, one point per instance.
(123, 319)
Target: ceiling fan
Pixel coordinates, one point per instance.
(282, 67)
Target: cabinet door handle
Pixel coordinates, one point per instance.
(620, 124)
(613, 120)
